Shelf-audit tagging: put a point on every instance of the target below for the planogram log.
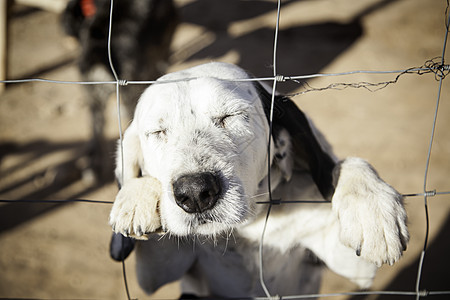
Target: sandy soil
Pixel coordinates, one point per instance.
(61, 251)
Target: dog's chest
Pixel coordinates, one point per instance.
(232, 268)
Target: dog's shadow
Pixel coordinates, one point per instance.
(43, 182)
(301, 50)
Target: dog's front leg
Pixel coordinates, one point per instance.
(135, 212)
(365, 227)
(370, 213)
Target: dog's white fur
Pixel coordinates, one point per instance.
(210, 123)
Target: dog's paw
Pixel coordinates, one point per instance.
(371, 214)
(135, 210)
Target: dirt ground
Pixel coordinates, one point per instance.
(60, 251)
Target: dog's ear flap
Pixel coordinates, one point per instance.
(305, 146)
(129, 156)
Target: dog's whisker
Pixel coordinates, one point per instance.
(259, 195)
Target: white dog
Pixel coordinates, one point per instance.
(195, 164)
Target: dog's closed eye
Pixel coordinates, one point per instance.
(159, 133)
(226, 120)
(222, 121)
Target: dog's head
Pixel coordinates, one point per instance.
(205, 138)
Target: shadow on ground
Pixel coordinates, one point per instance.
(44, 184)
(308, 46)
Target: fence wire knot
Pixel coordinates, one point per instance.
(122, 82)
(423, 293)
(280, 78)
(275, 201)
(430, 193)
(440, 69)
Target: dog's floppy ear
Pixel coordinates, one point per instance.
(305, 147)
(129, 156)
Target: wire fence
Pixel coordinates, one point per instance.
(436, 66)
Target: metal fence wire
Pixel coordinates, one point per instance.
(436, 66)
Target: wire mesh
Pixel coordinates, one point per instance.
(436, 66)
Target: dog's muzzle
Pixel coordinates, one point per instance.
(197, 192)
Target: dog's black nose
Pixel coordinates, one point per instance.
(196, 193)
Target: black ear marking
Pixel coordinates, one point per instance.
(305, 146)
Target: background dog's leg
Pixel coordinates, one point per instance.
(98, 147)
(99, 154)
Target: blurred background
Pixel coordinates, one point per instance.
(61, 251)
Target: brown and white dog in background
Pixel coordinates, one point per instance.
(142, 32)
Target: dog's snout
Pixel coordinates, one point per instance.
(196, 193)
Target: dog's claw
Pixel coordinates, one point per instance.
(358, 251)
(405, 246)
(135, 210)
(139, 231)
